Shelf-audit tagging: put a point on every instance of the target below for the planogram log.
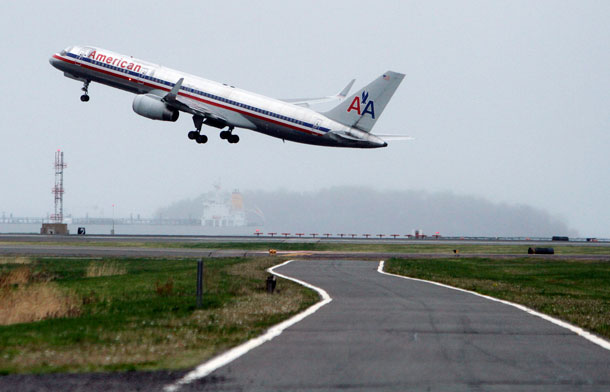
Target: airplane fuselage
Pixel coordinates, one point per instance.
(229, 105)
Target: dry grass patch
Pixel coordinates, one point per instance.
(288, 298)
(28, 296)
(23, 275)
(256, 268)
(35, 302)
(15, 260)
(17, 276)
(250, 309)
(97, 269)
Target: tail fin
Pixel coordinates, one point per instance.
(362, 109)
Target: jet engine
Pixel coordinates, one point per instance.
(151, 106)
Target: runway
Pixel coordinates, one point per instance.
(159, 239)
(166, 246)
(383, 333)
(83, 250)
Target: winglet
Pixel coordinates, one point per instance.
(174, 92)
(343, 93)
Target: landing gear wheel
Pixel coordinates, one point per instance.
(225, 135)
(196, 135)
(233, 139)
(85, 96)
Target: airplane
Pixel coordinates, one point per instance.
(163, 93)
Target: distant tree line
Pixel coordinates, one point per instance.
(347, 209)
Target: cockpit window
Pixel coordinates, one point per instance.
(66, 50)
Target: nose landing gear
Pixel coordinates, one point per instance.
(85, 96)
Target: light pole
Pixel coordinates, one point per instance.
(112, 231)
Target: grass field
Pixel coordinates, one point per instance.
(128, 314)
(413, 248)
(576, 291)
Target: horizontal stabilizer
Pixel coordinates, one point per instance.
(388, 138)
(343, 93)
(306, 102)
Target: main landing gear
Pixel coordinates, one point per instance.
(85, 96)
(196, 135)
(228, 136)
(199, 138)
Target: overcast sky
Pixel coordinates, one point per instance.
(509, 101)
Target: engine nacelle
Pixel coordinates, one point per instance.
(150, 106)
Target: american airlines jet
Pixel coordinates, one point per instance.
(163, 93)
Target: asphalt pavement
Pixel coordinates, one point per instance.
(383, 333)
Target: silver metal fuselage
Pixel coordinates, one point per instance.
(239, 108)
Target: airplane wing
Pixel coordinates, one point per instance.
(191, 106)
(307, 102)
(195, 107)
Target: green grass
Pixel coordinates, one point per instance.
(126, 324)
(577, 291)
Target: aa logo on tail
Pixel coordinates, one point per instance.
(359, 102)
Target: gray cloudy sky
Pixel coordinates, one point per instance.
(508, 100)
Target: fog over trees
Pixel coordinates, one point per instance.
(361, 210)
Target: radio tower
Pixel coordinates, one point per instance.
(58, 189)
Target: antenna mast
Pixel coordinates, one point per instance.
(58, 189)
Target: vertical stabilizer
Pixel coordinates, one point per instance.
(362, 109)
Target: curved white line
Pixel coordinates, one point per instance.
(577, 330)
(223, 359)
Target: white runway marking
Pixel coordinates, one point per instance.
(223, 359)
(577, 330)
